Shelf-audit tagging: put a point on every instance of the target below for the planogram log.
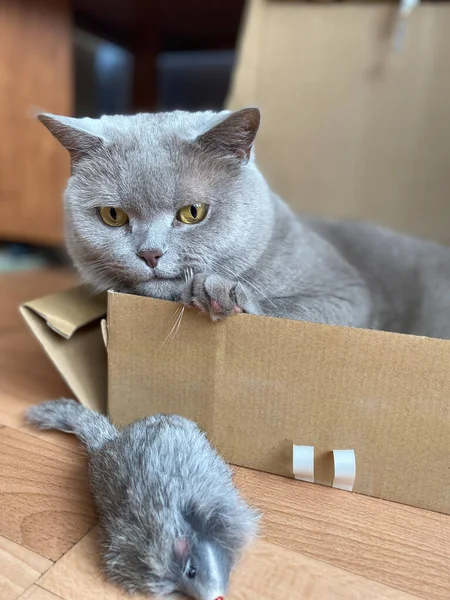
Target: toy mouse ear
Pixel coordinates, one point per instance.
(78, 136)
(234, 135)
(182, 547)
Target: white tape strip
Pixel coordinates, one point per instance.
(303, 463)
(344, 469)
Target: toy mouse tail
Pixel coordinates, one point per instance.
(92, 428)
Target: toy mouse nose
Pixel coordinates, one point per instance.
(151, 257)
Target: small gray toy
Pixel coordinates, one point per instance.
(171, 518)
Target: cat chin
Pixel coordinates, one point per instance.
(163, 289)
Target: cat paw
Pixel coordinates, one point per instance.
(214, 295)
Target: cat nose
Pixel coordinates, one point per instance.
(151, 257)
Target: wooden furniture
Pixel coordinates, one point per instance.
(317, 543)
(35, 73)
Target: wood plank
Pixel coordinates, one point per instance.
(19, 568)
(78, 574)
(45, 503)
(37, 593)
(35, 72)
(273, 572)
(400, 546)
(28, 377)
(267, 572)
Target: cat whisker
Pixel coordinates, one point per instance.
(172, 328)
(179, 322)
(172, 333)
(175, 314)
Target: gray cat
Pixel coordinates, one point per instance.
(173, 206)
(170, 516)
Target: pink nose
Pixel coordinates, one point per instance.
(219, 598)
(151, 257)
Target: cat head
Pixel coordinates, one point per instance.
(154, 196)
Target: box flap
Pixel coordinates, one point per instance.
(258, 385)
(350, 127)
(68, 311)
(67, 324)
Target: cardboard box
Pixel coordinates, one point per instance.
(340, 122)
(258, 385)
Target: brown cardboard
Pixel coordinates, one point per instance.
(66, 324)
(257, 385)
(351, 128)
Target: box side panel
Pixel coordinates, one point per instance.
(259, 385)
(81, 360)
(160, 360)
(383, 395)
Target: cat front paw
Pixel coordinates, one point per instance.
(215, 296)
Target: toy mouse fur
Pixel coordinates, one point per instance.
(171, 518)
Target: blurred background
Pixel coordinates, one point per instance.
(355, 100)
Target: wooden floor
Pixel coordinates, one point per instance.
(316, 543)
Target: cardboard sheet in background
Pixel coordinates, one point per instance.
(350, 128)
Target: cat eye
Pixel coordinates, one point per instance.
(113, 217)
(193, 213)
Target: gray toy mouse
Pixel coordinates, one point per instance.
(170, 516)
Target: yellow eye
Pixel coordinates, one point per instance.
(113, 217)
(192, 214)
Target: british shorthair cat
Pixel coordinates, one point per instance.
(173, 206)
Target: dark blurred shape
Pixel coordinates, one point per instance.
(114, 72)
(194, 80)
(148, 28)
(103, 74)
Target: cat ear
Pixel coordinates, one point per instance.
(78, 136)
(234, 136)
